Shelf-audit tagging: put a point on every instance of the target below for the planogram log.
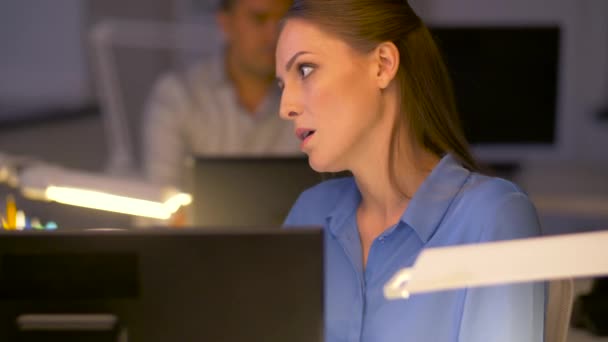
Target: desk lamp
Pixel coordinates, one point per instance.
(100, 191)
(493, 263)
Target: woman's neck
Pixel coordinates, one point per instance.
(385, 201)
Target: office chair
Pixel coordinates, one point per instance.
(129, 55)
(560, 295)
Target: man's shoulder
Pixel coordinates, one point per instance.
(209, 67)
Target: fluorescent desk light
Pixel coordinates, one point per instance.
(103, 192)
(493, 263)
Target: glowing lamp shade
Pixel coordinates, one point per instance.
(102, 192)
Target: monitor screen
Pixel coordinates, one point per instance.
(506, 83)
(162, 285)
(252, 191)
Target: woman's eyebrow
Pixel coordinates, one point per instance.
(293, 59)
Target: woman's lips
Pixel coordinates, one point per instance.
(304, 134)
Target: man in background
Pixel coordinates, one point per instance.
(225, 105)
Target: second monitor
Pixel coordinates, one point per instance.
(248, 191)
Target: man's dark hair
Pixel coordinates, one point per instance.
(226, 5)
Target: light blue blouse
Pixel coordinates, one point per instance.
(453, 206)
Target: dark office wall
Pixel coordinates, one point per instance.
(134, 9)
(42, 62)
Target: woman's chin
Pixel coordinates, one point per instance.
(322, 165)
(316, 163)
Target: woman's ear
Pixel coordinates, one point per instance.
(386, 56)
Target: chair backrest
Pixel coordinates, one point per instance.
(559, 308)
(129, 56)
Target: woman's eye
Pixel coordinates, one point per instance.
(305, 70)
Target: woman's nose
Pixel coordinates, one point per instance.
(289, 110)
(289, 114)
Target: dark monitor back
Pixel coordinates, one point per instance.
(251, 191)
(166, 285)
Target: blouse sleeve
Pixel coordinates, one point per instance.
(512, 312)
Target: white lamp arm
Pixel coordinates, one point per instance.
(493, 263)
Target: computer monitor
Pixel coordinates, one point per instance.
(162, 285)
(254, 191)
(506, 82)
